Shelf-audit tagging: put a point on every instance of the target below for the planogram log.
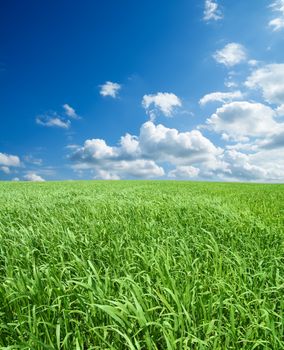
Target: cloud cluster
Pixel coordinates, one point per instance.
(252, 131)
(144, 155)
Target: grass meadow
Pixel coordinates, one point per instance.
(141, 265)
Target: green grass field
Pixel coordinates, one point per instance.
(141, 265)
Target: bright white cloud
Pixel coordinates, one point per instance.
(184, 172)
(70, 111)
(192, 154)
(162, 101)
(220, 97)
(53, 122)
(140, 156)
(277, 23)
(270, 80)
(33, 177)
(237, 120)
(9, 160)
(231, 54)
(211, 11)
(110, 89)
(167, 144)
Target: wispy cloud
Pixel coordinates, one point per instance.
(277, 23)
(53, 121)
(70, 111)
(220, 97)
(212, 11)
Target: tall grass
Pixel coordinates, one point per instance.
(141, 265)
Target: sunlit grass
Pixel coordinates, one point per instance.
(141, 265)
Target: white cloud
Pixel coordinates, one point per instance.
(270, 80)
(70, 111)
(211, 11)
(53, 122)
(106, 175)
(167, 144)
(110, 89)
(184, 172)
(192, 154)
(5, 169)
(15, 179)
(243, 119)
(33, 177)
(9, 160)
(220, 97)
(262, 165)
(231, 54)
(162, 101)
(142, 156)
(277, 23)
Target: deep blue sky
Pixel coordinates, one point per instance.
(61, 52)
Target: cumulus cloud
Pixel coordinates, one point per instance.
(53, 121)
(192, 154)
(238, 120)
(220, 97)
(9, 160)
(270, 80)
(70, 111)
(231, 54)
(211, 11)
(277, 23)
(168, 144)
(163, 102)
(110, 89)
(33, 177)
(144, 155)
(184, 172)
(261, 165)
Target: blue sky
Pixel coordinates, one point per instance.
(142, 89)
